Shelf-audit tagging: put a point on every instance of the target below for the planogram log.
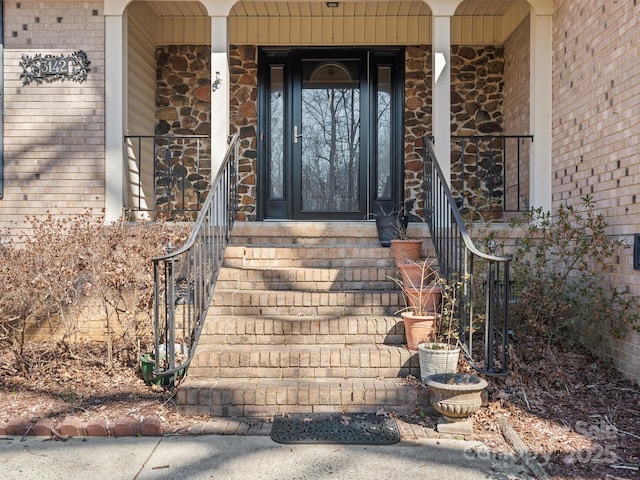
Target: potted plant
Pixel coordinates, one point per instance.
(406, 249)
(415, 272)
(423, 296)
(441, 355)
(393, 225)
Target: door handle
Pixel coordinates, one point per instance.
(296, 135)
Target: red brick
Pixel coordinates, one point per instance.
(17, 426)
(3, 428)
(43, 427)
(151, 427)
(126, 427)
(97, 427)
(72, 427)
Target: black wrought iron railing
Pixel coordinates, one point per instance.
(490, 173)
(185, 279)
(168, 175)
(483, 279)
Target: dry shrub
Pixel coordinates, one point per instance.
(68, 261)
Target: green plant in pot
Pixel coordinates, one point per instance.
(441, 354)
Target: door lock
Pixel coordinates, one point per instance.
(296, 135)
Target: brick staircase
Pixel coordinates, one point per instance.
(303, 320)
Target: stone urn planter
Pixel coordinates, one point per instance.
(456, 396)
(437, 358)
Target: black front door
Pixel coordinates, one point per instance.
(330, 133)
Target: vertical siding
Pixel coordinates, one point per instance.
(141, 90)
(355, 30)
(516, 108)
(183, 31)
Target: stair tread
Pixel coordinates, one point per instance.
(199, 382)
(247, 348)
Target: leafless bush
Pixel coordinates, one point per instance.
(68, 262)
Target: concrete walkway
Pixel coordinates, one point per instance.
(230, 457)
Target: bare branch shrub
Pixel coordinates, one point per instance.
(559, 275)
(67, 262)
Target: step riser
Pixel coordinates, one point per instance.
(344, 301)
(311, 280)
(392, 338)
(312, 363)
(307, 331)
(292, 254)
(268, 399)
(301, 310)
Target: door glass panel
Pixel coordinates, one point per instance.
(383, 134)
(276, 134)
(330, 129)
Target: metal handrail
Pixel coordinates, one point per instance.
(167, 173)
(185, 279)
(479, 273)
(497, 162)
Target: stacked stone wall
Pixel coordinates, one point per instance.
(54, 146)
(596, 133)
(477, 97)
(183, 108)
(243, 65)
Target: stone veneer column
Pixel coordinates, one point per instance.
(243, 60)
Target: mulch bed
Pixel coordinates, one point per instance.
(576, 415)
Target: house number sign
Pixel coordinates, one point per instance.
(49, 68)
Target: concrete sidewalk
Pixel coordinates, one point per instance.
(246, 457)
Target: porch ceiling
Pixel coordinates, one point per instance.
(319, 8)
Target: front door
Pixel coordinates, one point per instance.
(330, 132)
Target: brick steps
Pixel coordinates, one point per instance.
(306, 278)
(303, 303)
(303, 319)
(305, 361)
(265, 397)
(288, 330)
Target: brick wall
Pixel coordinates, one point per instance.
(596, 133)
(54, 132)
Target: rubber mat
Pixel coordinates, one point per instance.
(351, 428)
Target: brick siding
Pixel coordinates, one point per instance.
(53, 132)
(596, 103)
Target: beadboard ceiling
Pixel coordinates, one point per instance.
(348, 9)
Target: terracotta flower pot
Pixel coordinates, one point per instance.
(406, 250)
(426, 299)
(417, 274)
(419, 328)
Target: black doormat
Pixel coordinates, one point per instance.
(352, 428)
